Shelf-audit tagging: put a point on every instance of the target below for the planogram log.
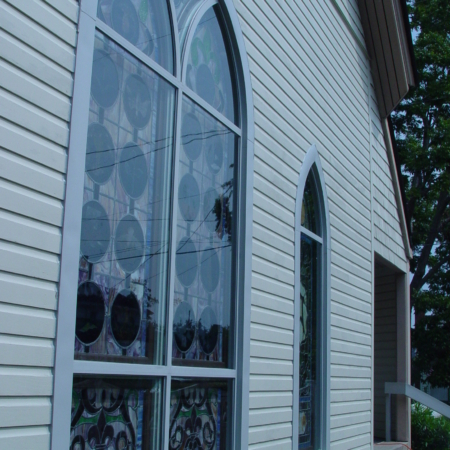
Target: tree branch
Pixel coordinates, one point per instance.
(417, 281)
(434, 270)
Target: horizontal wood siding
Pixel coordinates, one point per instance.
(310, 83)
(388, 238)
(37, 41)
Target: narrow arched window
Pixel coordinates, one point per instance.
(150, 292)
(312, 358)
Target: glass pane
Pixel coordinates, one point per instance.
(125, 221)
(310, 217)
(199, 414)
(309, 395)
(185, 10)
(203, 297)
(144, 23)
(116, 414)
(208, 68)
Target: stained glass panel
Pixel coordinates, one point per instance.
(208, 68)
(308, 369)
(144, 23)
(117, 414)
(199, 415)
(125, 219)
(203, 261)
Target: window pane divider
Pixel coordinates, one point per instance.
(202, 372)
(142, 57)
(311, 235)
(118, 369)
(211, 110)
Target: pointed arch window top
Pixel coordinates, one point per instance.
(144, 23)
(208, 67)
(310, 214)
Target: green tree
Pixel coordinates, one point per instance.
(422, 127)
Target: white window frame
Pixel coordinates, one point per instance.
(65, 364)
(311, 164)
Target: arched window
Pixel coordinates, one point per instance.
(151, 311)
(311, 384)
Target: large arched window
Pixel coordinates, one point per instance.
(150, 315)
(311, 383)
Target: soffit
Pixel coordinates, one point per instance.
(388, 40)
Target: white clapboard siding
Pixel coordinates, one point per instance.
(388, 239)
(311, 85)
(310, 82)
(37, 59)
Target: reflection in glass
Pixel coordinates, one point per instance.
(199, 414)
(137, 101)
(133, 170)
(105, 79)
(188, 197)
(117, 414)
(100, 154)
(184, 327)
(144, 23)
(309, 216)
(209, 269)
(208, 330)
(208, 70)
(126, 202)
(204, 258)
(95, 231)
(125, 318)
(212, 210)
(90, 313)
(191, 136)
(186, 262)
(125, 20)
(309, 395)
(185, 10)
(129, 243)
(214, 155)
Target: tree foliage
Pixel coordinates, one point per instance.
(422, 127)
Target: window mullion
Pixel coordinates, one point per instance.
(311, 235)
(132, 50)
(82, 367)
(211, 110)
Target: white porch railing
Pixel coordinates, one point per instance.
(415, 394)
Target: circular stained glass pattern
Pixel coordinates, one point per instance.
(204, 83)
(125, 20)
(137, 101)
(95, 231)
(212, 209)
(208, 330)
(100, 156)
(125, 318)
(191, 136)
(133, 170)
(214, 155)
(189, 197)
(184, 327)
(129, 243)
(147, 45)
(90, 313)
(186, 261)
(209, 269)
(105, 79)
